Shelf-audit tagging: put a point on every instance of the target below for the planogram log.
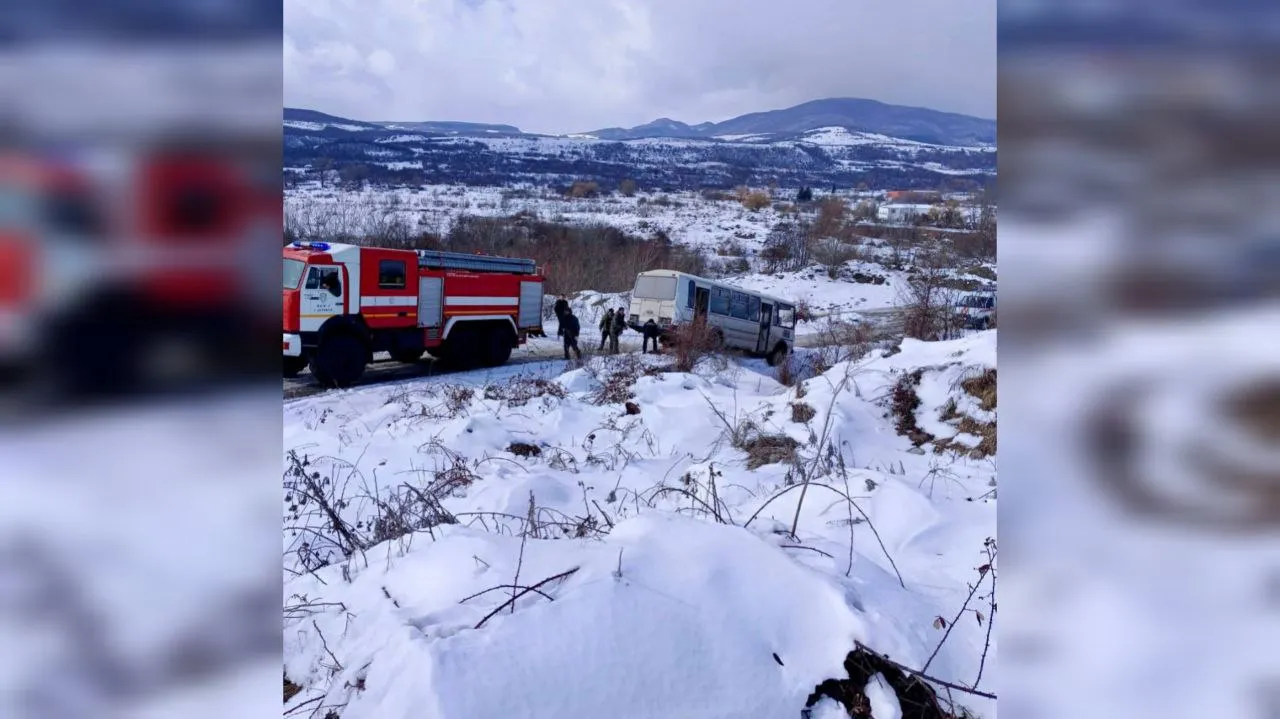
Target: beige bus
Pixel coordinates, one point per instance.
(741, 319)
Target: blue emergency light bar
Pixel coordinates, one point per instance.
(317, 246)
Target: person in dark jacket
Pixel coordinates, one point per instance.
(569, 329)
(560, 308)
(651, 333)
(619, 324)
(606, 328)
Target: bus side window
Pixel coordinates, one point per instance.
(693, 288)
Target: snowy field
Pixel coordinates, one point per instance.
(627, 540)
(723, 230)
(686, 217)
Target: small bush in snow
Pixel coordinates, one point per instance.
(692, 342)
(519, 391)
(755, 201)
(802, 412)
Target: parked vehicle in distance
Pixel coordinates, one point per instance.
(343, 303)
(976, 310)
(741, 319)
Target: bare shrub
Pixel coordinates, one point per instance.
(519, 391)
(457, 398)
(786, 247)
(831, 217)
(693, 341)
(802, 412)
(785, 372)
(756, 200)
(840, 341)
(832, 253)
(584, 188)
(627, 188)
(617, 376)
(927, 302)
(866, 211)
(320, 510)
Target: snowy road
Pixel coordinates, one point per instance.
(887, 323)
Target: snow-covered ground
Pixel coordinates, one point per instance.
(658, 537)
(686, 217)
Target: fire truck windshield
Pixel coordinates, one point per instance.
(292, 273)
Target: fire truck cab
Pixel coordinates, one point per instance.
(343, 303)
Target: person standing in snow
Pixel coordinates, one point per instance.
(650, 332)
(606, 326)
(569, 329)
(619, 324)
(561, 307)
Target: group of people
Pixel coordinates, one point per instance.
(611, 327)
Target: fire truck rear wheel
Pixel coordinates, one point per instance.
(497, 342)
(339, 361)
(294, 365)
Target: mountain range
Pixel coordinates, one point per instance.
(853, 114)
(837, 141)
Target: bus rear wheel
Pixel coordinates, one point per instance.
(777, 356)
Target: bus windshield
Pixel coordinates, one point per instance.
(786, 317)
(654, 288)
(292, 273)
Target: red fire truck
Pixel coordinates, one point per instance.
(343, 303)
(106, 257)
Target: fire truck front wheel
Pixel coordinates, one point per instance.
(294, 365)
(339, 361)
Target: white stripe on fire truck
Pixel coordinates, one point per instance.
(377, 301)
(482, 301)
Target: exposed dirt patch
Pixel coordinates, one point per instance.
(763, 449)
(917, 698)
(290, 689)
(524, 449)
(802, 412)
(1257, 410)
(983, 388)
(904, 403)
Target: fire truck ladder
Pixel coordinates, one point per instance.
(431, 259)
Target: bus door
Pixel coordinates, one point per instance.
(701, 301)
(766, 321)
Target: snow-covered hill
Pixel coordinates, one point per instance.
(617, 539)
(664, 154)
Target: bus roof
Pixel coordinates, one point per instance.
(677, 273)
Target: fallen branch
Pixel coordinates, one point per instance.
(922, 675)
(523, 592)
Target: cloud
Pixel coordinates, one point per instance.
(569, 65)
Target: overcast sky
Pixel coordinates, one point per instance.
(562, 66)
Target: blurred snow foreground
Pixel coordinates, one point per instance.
(618, 540)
